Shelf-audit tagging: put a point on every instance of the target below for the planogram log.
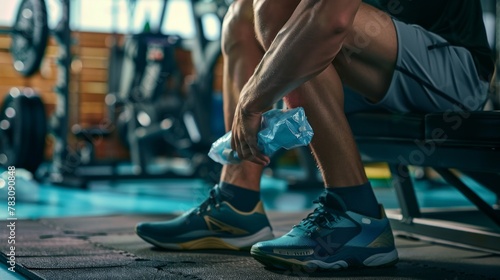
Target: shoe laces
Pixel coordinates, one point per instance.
(321, 217)
(213, 201)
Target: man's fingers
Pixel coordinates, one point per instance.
(239, 147)
(233, 140)
(244, 140)
(244, 150)
(250, 152)
(257, 156)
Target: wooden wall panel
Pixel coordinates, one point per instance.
(88, 84)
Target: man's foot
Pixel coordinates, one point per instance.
(331, 239)
(215, 224)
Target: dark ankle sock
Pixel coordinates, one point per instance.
(240, 198)
(359, 199)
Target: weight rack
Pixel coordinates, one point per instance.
(59, 122)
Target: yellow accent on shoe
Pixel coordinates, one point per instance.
(259, 208)
(218, 226)
(207, 243)
(386, 239)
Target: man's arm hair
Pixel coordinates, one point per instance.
(302, 49)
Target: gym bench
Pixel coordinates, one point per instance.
(460, 141)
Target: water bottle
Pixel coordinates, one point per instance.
(286, 129)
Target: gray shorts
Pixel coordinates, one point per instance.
(430, 76)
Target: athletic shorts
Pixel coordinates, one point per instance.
(430, 76)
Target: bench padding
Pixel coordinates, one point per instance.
(476, 127)
(468, 128)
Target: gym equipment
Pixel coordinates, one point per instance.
(38, 131)
(62, 162)
(433, 141)
(148, 64)
(30, 36)
(29, 33)
(468, 142)
(152, 111)
(155, 116)
(152, 114)
(22, 129)
(23, 121)
(183, 125)
(205, 54)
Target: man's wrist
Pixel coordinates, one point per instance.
(249, 105)
(252, 100)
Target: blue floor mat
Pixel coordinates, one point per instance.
(171, 196)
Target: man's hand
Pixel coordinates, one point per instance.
(244, 139)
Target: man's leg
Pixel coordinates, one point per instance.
(232, 217)
(241, 52)
(240, 183)
(425, 79)
(349, 201)
(334, 145)
(368, 56)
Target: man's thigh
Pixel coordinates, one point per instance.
(368, 56)
(430, 75)
(394, 67)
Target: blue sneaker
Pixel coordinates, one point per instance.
(215, 224)
(331, 238)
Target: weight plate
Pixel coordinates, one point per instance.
(6, 153)
(15, 126)
(29, 36)
(38, 132)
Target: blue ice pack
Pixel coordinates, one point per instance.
(286, 129)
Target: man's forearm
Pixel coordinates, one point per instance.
(303, 48)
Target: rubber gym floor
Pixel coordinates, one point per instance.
(64, 233)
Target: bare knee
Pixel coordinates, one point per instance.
(238, 27)
(270, 16)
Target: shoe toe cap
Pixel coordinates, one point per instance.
(141, 228)
(284, 243)
(146, 229)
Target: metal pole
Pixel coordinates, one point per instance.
(59, 122)
(162, 17)
(469, 194)
(497, 51)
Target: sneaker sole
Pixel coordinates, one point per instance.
(240, 243)
(374, 261)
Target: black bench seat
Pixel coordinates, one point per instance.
(465, 141)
